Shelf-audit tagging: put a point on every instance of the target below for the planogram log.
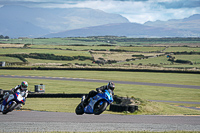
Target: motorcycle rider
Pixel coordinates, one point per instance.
(22, 89)
(109, 86)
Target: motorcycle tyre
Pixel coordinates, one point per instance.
(79, 109)
(102, 108)
(11, 108)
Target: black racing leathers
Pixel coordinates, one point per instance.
(93, 93)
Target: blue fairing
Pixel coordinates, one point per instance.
(103, 97)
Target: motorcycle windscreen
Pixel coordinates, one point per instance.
(108, 96)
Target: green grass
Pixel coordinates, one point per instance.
(142, 49)
(154, 108)
(70, 104)
(60, 46)
(9, 59)
(49, 51)
(123, 41)
(74, 47)
(193, 58)
(182, 49)
(162, 61)
(35, 61)
(52, 104)
(52, 41)
(119, 56)
(138, 91)
(150, 61)
(150, 77)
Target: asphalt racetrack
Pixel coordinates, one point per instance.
(35, 121)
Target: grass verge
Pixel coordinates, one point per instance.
(69, 105)
(150, 77)
(125, 90)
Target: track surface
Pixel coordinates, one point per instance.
(35, 121)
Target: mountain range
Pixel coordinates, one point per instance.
(20, 21)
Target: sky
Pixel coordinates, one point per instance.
(138, 11)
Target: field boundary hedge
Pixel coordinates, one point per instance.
(102, 69)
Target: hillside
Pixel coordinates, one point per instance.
(187, 27)
(190, 25)
(20, 21)
(123, 29)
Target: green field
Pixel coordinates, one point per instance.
(125, 90)
(143, 49)
(9, 59)
(49, 51)
(112, 40)
(169, 78)
(108, 51)
(182, 49)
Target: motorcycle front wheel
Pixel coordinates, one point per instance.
(9, 108)
(79, 109)
(100, 107)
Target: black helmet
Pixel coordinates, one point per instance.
(111, 85)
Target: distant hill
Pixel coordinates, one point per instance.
(17, 21)
(124, 29)
(187, 27)
(20, 21)
(190, 25)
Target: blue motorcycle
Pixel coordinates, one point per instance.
(96, 105)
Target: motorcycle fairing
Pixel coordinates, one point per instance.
(100, 96)
(19, 98)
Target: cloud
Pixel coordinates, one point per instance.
(181, 4)
(138, 11)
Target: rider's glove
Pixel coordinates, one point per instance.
(12, 90)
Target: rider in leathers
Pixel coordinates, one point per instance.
(22, 89)
(101, 89)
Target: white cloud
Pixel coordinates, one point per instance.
(138, 11)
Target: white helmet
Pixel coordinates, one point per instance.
(24, 85)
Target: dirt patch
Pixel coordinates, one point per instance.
(11, 45)
(122, 56)
(46, 64)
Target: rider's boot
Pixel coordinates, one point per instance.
(1, 99)
(85, 101)
(83, 98)
(2, 108)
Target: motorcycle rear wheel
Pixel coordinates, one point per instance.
(100, 107)
(79, 109)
